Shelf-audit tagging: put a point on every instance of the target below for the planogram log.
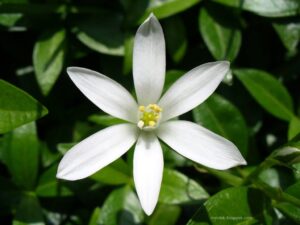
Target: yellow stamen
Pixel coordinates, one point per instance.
(151, 123)
(149, 116)
(141, 108)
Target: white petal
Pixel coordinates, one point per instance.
(105, 93)
(148, 167)
(200, 145)
(96, 151)
(149, 61)
(192, 89)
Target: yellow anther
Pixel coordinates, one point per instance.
(151, 123)
(141, 108)
(157, 108)
(149, 116)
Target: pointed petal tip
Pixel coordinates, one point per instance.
(71, 68)
(61, 176)
(151, 19)
(152, 16)
(225, 62)
(148, 211)
(239, 162)
(243, 163)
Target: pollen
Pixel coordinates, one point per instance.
(149, 116)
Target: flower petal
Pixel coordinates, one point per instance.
(192, 89)
(148, 167)
(105, 93)
(200, 145)
(149, 61)
(96, 151)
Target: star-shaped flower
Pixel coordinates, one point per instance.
(149, 118)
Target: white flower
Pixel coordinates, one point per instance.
(150, 119)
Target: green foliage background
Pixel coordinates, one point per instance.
(42, 114)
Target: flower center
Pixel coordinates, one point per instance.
(149, 116)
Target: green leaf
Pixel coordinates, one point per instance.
(49, 186)
(294, 128)
(220, 33)
(289, 210)
(171, 77)
(101, 32)
(48, 58)
(163, 9)
(268, 8)
(222, 117)
(64, 147)
(17, 107)
(21, 155)
(294, 190)
(239, 205)
(121, 208)
(177, 188)
(165, 215)
(115, 173)
(176, 39)
(287, 155)
(29, 211)
(267, 91)
(289, 33)
(172, 158)
(128, 54)
(271, 177)
(10, 19)
(95, 216)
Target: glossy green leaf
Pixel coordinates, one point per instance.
(163, 9)
(121, 208)
(101, 32)
(267, 91)
(165, 215)
(176, 40)
(48, 58)
(50, 186)
(177, 188)
(95, 216)
(239, 205)
(222, 117)
(220, 33)
(115, 173)
(21, 155)
(17, 107)
(294, 128)
(289, 33)
(29, 211)
(268, 8)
